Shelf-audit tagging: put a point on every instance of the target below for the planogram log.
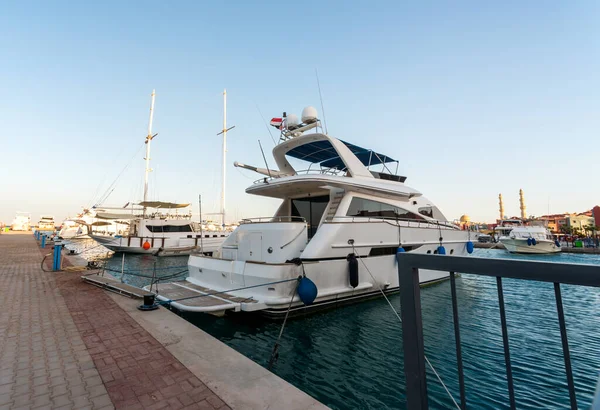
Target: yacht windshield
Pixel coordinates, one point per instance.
(366, 207)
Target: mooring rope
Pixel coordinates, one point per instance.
(167, 302)
(400, 319)
(275, 352)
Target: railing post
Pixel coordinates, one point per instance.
(565, 345)
(509, 378)
(412, 336)
(459, 363)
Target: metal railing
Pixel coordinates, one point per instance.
(327, 171)
(270, 219)
(408, 223)
(412, 324)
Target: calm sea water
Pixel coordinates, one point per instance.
(351, 358)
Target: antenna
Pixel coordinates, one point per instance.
(265, 122)
(265, 159)
(321, 98)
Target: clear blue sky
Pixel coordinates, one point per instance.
(474, 98)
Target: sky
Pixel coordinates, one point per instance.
(473, 98)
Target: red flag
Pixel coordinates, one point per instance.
(277, 122)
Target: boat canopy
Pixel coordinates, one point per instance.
(163, 205)
(101, 223)
(323, 153)
(108, 215)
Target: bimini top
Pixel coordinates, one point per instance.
(323, 153)
(163, 205)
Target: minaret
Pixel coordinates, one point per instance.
(501, 206)
(523, 207)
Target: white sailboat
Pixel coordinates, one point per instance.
(337, 211)
(163, 232)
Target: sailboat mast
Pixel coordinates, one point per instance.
(148, 139)
(224, 158)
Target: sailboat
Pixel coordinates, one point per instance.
(157, 227)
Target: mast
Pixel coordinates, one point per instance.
(224, 158)
(148, 139)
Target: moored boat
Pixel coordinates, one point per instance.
(340, 225)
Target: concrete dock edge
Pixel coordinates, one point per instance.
(242, 383)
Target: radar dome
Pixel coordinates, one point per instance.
(292, 121)
(309, 115)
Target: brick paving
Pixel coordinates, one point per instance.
(44, 362)
(70, 345)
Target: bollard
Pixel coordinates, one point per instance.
(57, 257)
(149, 303)
(43, 241)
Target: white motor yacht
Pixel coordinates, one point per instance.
(338, 210)
(86, 223)
(531, 239)
(22, 222)
(46, 223)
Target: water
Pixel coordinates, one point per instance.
(352, 358)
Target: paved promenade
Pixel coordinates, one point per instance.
(68, 345)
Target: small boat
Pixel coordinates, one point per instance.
(528, 239)
(22, 222)
(339, 224)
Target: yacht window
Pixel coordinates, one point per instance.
(169, 228)
(368, 208)
(427, 211)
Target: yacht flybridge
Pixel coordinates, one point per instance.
(337, 210)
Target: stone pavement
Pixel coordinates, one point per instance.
(69, 345)
(44, 362)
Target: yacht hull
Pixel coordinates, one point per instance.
(520, 246)
(161, 246)
(330, 276)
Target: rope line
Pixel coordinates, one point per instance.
(400, 319)
(275, 352)
(226, 291)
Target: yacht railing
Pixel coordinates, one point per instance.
(409, 223)
(328, 171)
(271, 219)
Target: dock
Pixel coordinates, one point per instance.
(71, 345)
(186, 296)
(113, 285)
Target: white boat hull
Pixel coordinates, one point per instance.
(519, 245)
(330, 276)
(169, 246)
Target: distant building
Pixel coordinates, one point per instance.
(554, 222)
(596, 215)
(580, 222)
